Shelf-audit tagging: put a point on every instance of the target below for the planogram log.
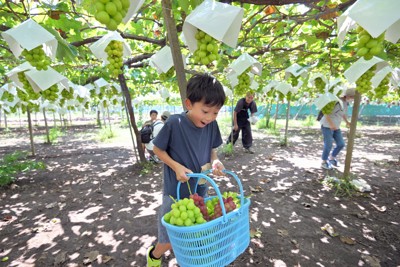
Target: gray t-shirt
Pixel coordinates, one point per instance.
(187, 144)
(336, 115)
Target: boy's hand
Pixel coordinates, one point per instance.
(217, 168)
(181, 172)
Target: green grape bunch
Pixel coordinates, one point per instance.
(184, 213)
(244, 82)
(294, 81)
(367, 46)
(7, 97)
(281, 96)
(30, 93)
(383, 87)
(207, 49)
(37, 58)
(111, 12)
(67, 94)
(115, 51)
(50, 93)
(165, 76)
(363, 83)
(328, 108)
(320, 85)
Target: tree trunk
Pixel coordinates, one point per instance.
(175, 48)
(98, 117)
(108, 117)
(352, 135)
(128, 102)
(46, 126)
(5, 121)
(269, 114)
(30, 131)
(287, 122)
(266, 114)
(276, 113)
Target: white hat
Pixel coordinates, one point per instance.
(165, 115)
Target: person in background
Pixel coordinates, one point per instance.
(330, 127)
(187, 142)
(157, 128)
(241, 121)
(153, 118)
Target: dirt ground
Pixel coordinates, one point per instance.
(93, 206)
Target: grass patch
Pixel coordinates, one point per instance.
(343, 186)
(15, 163)
(146, 167)
(106, 134)
(227, 149)
(309, 121)
(54, 133)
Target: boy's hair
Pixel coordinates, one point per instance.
(153, 111)
(250, 93)
(204, 87)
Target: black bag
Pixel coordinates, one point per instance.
(146, 133)
(320, 115)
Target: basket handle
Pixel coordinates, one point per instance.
(215, 186)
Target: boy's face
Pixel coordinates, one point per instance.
(153, 116)
(201, 114)
(249, 99)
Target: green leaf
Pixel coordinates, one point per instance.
(65, 51)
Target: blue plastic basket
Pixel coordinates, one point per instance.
(215, 243)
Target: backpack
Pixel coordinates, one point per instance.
(320, 115)
(146, 133)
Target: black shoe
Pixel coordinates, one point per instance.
(248, 150)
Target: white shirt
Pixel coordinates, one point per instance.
(157, 125)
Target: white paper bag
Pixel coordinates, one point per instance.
(219, 20)
(41, 80)
(254, 85)
(361, 66)
(376, 80)
(164, 93)
(13, 74)
(29, 35)
(163, 61)
(270, 86)
(98, 48)
(100, 83)
(232, 77)
(296, 70)
(228, 92)
(244, 62)
(374, 16)
(311, 80)
(253, 119)
(283, 87)
(324, 99)
(133, 9)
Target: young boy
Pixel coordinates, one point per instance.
(241, 121)
(187, 142)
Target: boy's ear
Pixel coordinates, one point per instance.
(188, 104)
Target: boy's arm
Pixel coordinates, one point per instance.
(217, 166)
(178, 168)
